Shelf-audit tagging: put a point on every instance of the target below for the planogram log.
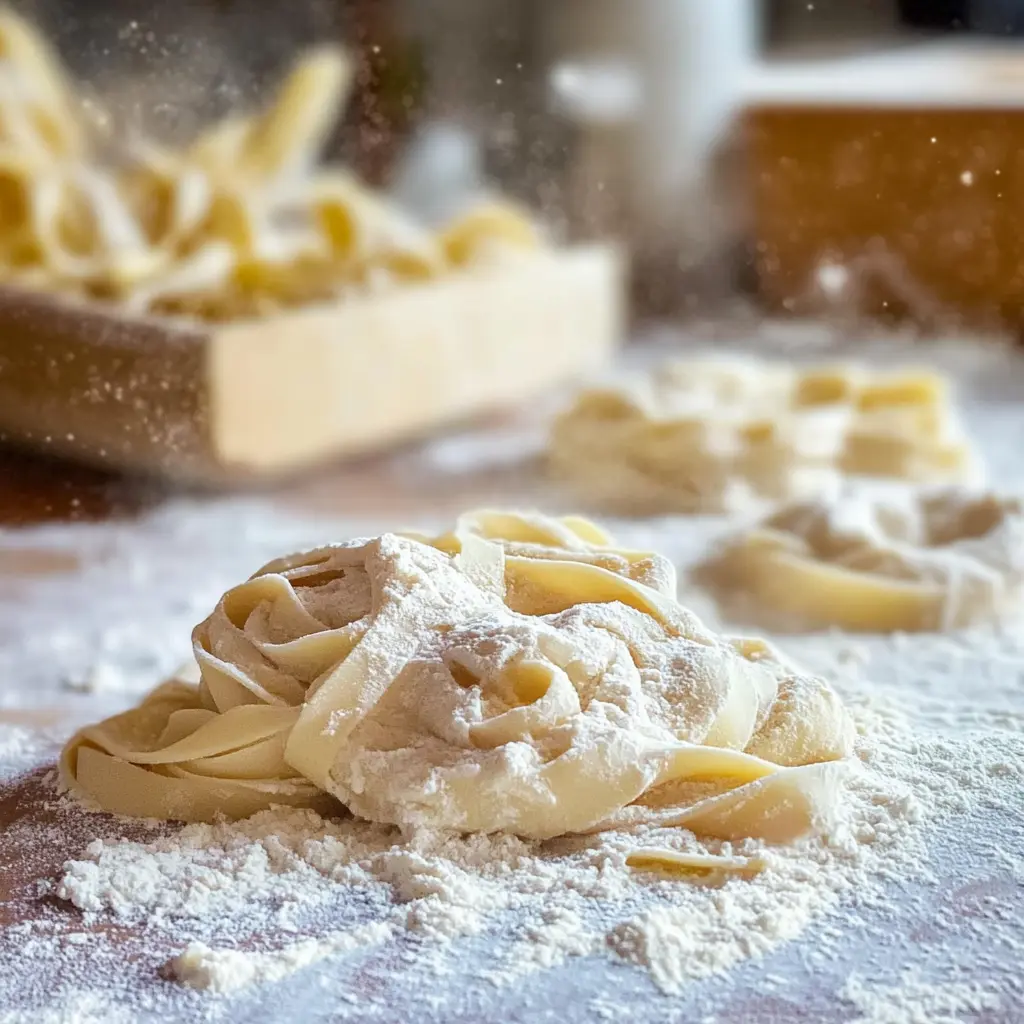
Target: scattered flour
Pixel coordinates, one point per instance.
(20, 747)
(230, 907)
(227, 970)
(914, 1001)
(87, 1008)
(545, 902)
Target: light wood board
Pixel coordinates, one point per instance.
(223, 402)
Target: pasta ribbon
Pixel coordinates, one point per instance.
(519, 673)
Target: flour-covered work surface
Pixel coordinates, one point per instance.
(866, 865)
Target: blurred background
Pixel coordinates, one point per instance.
(851, 164)
(824, 157)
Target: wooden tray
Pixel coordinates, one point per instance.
(221, 403)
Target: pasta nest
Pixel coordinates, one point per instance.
(518, 674)
(876, 561)
(718, 435)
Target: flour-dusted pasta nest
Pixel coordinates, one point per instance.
(519, 674)
(725, 434)
(876, 561)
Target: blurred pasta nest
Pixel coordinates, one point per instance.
(876, 560)
(520, 673)
(241, 222)
(730, 433)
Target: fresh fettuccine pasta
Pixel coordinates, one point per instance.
(876, 561)
(519, 674)
(241, 222)
(725, 434)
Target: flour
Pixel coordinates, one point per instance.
(572, 897)
(227, 970)
(283, 876)
(914, 1001)
(561, 933)
(20, 747)
(88, 1008)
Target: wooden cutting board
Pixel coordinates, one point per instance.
(228, 402)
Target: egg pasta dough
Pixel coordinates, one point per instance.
(517, 674)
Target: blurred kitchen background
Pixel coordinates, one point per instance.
(848, 165)
(833, 158)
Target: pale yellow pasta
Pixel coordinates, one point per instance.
(211, 266)
(689, 864)
(493, 227)
(287, 139)
(47, 95)
(520, 674)
(727, 434)
(219, 148)
(239, 223)
(366, 233)
(876, 562)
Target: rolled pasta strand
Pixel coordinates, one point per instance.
(80, 225)
(218, 747)
(723, 435)
(539, 536)
(781, 806)
(286, 140)
(169, 196)
(174, 758)
(652, 858)
(488, 230)
(218, 149)
(367, 234)
(208, 269)
(39, 71)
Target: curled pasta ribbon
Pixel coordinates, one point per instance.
(491, 229)
(718, 435)
(239, 223)
(863, 561)
(519, 673)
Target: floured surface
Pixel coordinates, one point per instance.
(916, 906)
